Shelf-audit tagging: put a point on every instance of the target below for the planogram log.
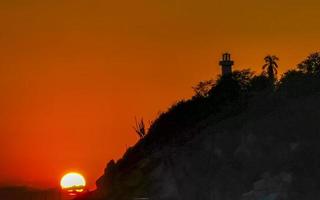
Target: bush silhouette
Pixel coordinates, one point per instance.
(311, 65)
(202, 88)
(259, 83)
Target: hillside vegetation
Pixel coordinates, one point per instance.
(243, 136)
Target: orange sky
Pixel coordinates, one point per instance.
(75, 73)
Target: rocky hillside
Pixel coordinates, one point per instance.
(261, 145)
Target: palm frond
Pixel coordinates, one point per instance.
(275, 70)
(275, 58)
(264, 66)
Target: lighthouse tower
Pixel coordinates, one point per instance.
(226, 64)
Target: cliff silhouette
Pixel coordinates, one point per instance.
(241, 137)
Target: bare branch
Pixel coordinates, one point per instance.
(140, 127)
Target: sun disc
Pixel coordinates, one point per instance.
(72, 180)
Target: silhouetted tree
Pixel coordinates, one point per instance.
(243, 77)
(293, 83)
(232, 86)
(140, 128)
(202, 88)
(311, 65)
(270, 67)
(259, 83)
(296, 83)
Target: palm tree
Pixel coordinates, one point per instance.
(271, 66)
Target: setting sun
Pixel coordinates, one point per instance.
(73, 181)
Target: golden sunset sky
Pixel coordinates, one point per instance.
(75, 73)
